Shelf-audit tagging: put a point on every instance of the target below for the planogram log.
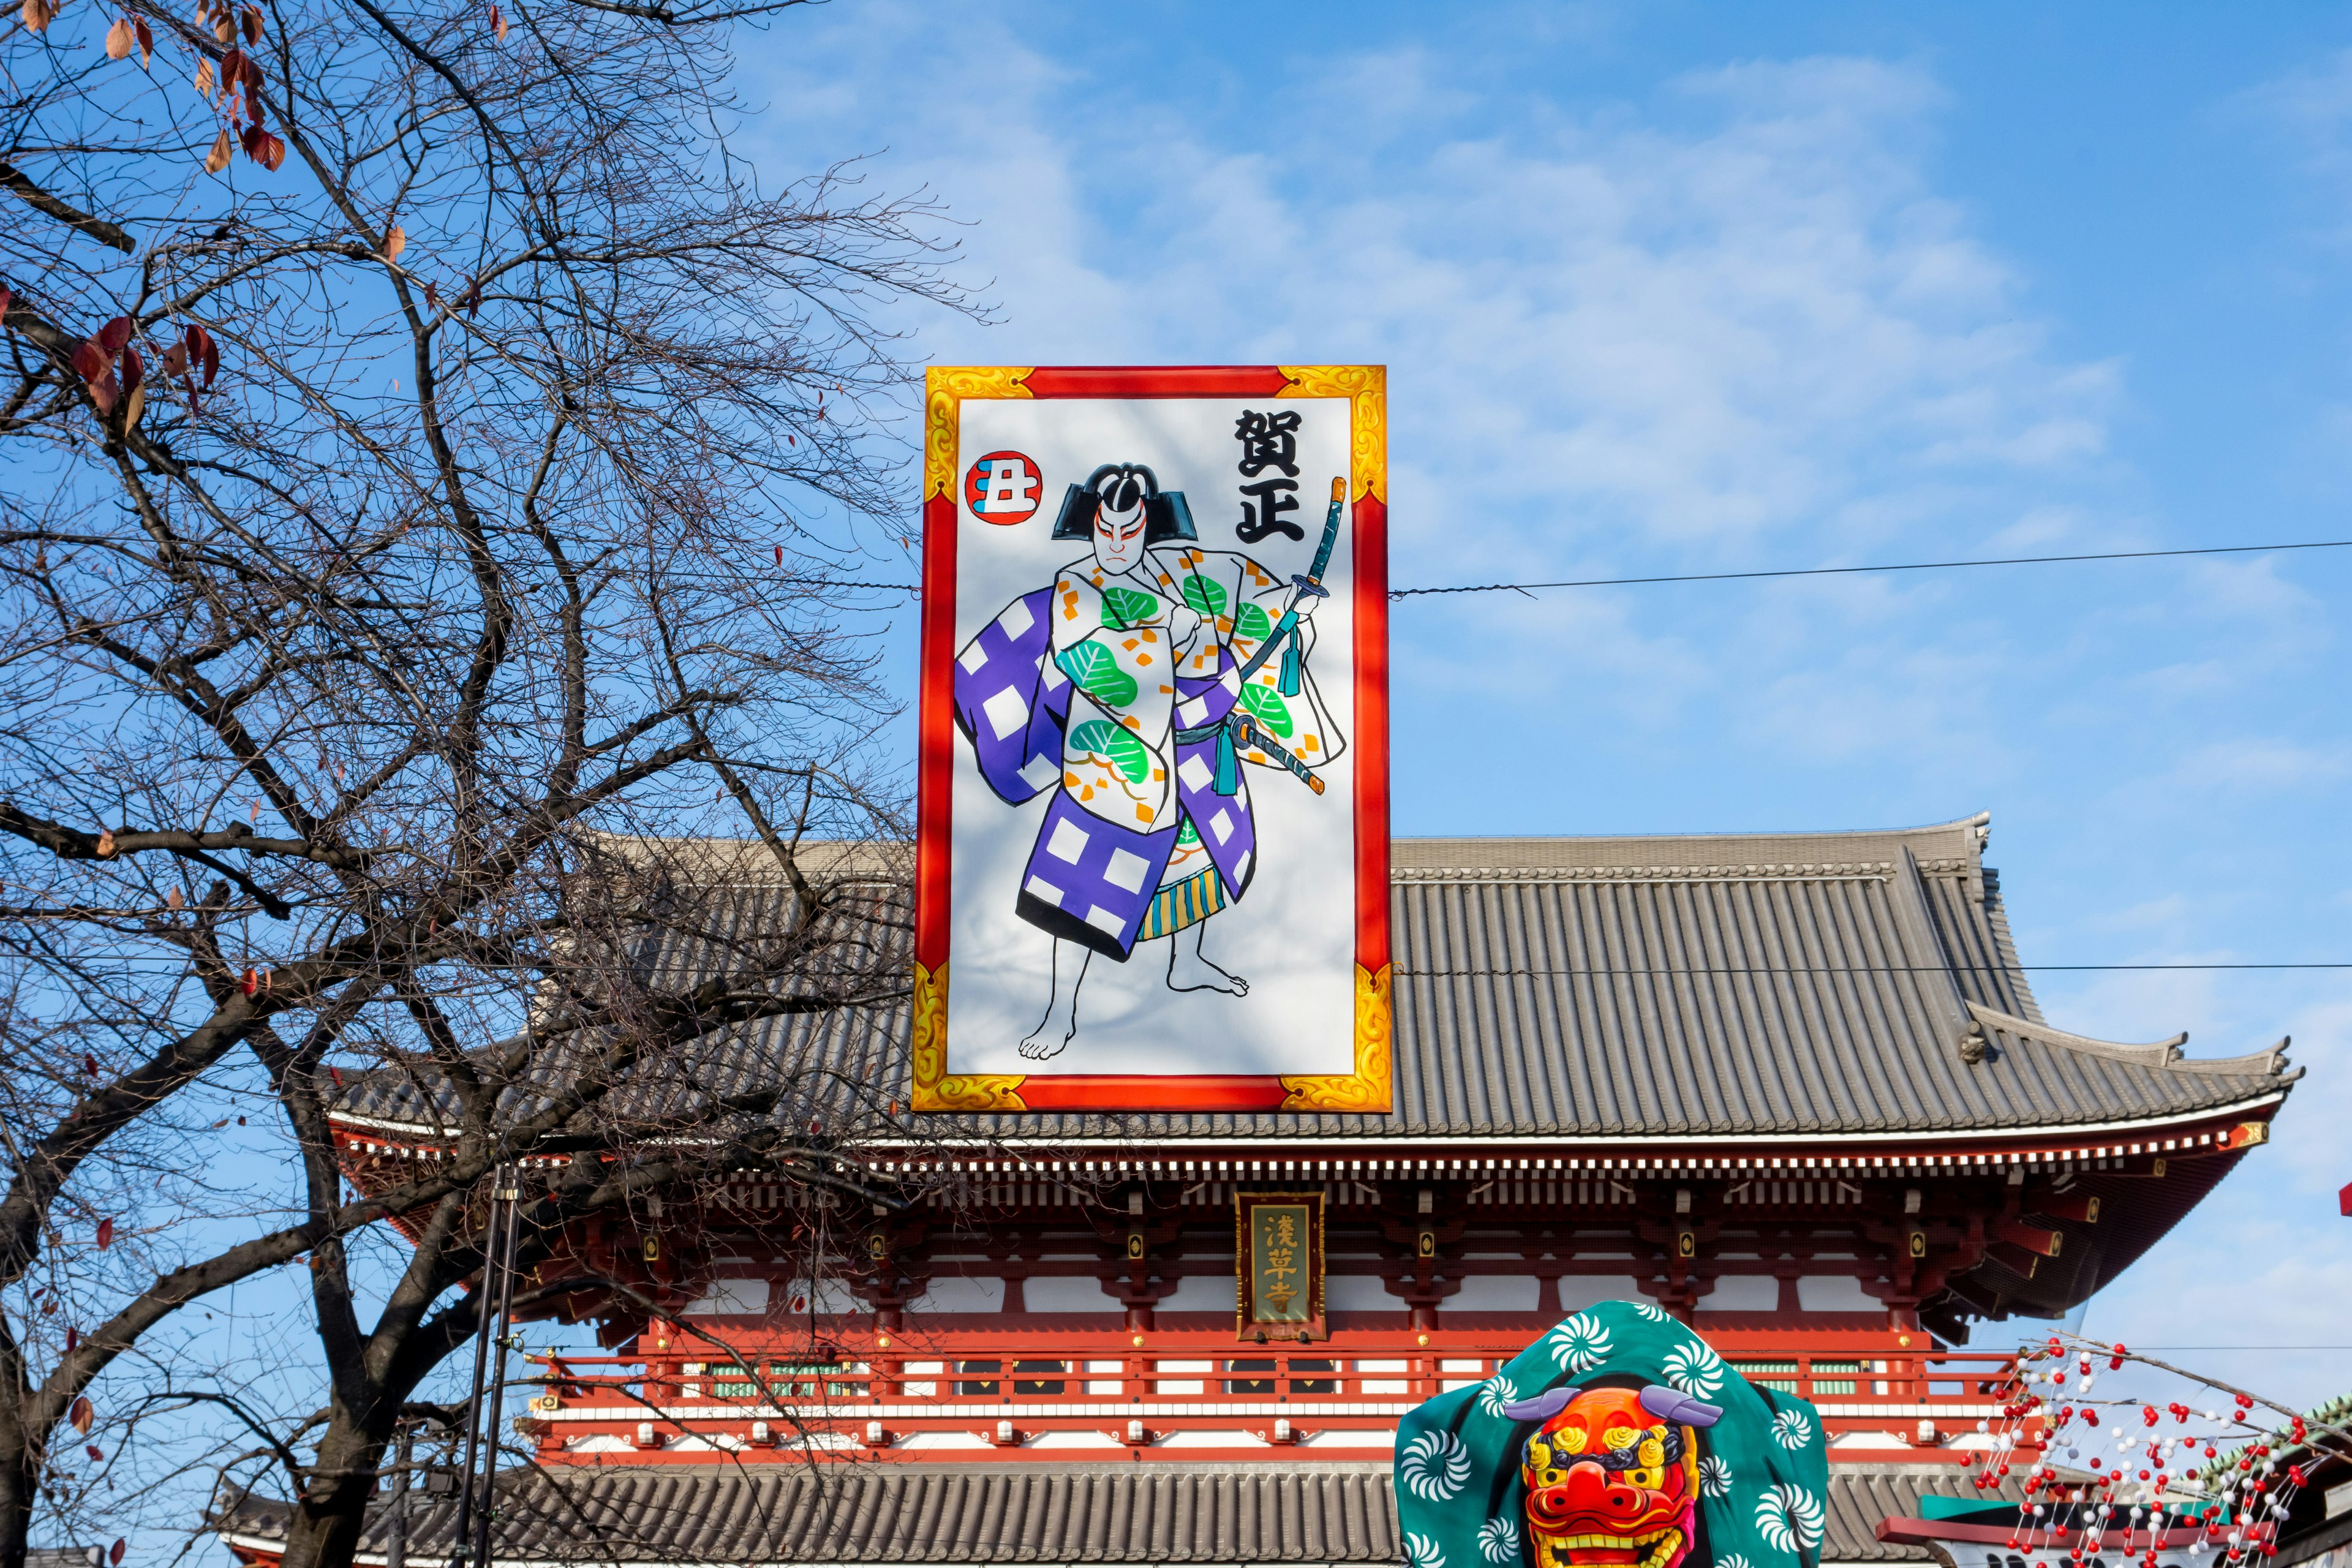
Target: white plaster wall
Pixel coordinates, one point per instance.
(1742, 1293)
(1577, 1291)
(1358, 1294)
(1493, 1293)
(960, 1293)
(730, 1297)
(1836, 1293)
(1203, 1293)
(1066, 1293)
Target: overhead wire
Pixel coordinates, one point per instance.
(855, 585)
(1531, 588)
(1847, 570)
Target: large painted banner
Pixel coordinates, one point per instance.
(1153, 847)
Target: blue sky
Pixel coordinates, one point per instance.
(1675, 287)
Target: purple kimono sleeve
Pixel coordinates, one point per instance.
(1011, 700)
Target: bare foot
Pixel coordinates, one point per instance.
(1190, 970)
(1061, 1021)
(1043, 1044)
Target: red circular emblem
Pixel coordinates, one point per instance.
(1003, 488)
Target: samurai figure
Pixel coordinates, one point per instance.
(1137, 686)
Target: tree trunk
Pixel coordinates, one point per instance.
(20, 1482)
(325, 1532)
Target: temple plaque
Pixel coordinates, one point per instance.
(1152, 836)
(1279, 1254)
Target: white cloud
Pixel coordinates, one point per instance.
(1703, 335)
(2260, 765)
(1726, 322)
(1611, 344)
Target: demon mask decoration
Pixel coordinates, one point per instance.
(1620, 1439)
(1611, 1478)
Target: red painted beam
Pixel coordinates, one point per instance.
(1163, 381)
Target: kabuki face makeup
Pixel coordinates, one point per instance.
(1121, 525)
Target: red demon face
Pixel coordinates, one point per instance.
(1609, 1483)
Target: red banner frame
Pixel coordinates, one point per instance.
(1368, 1089)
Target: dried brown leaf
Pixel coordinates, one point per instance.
(497, 25)
(224, 28)
(146, 41)
(37, 14)
(104, 392)
(253, 24)
(217, 159)
(175, 360)
(135, 406)
(115, 336)
(205, 85)
(394, 242)
(89, 359)
(120, 39)
(81, 1414)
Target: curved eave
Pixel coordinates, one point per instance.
(2161, 1054)
(2211, 1131)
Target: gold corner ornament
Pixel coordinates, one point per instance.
(945, 386)
(933, 1090)
(1366, 386)
(1370, 1090)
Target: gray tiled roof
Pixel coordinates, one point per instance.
(1725, 985)
(1297, 1512)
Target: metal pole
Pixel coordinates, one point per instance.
(511, 1196)
(463, 1533)
(395, 1548)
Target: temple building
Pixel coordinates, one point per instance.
(1795, 1090)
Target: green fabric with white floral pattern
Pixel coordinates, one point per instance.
(1764, 1472)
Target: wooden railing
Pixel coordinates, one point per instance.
(1005, 1390)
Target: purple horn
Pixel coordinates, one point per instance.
(1673, 1404)
(1542, 1407)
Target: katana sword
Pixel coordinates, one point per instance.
(1313, 581)
(1286, 634)
(1246, 733)
(1241, 732)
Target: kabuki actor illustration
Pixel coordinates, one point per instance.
(1152, 839)
(1620, 1439)
(1135, 689)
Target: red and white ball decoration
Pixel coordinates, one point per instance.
(2164, 1478)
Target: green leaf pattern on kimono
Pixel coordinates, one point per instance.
(1251, 621)
(1266, 706)
(1763, 1467)
(1095, 670)
(1207, 597)
(1114, 745)
(1123, 609)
